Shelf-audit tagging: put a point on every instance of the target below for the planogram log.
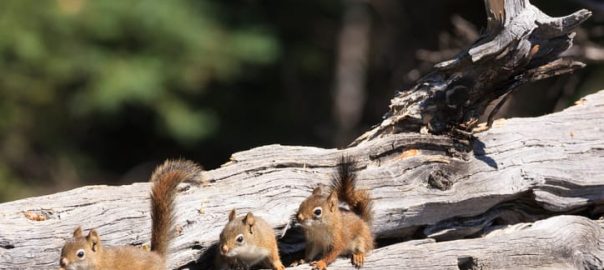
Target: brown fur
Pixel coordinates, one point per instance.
(337, 232)
(165, 179)
(345, 186)
(258, 247)
(98, 257)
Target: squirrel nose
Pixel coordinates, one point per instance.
(225, 249)
(64, 262)
(300, 217)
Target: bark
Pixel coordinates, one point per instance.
(522, 170)
(497, 206)
(521, 44)
(578, 245)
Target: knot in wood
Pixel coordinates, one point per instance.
(439, 180)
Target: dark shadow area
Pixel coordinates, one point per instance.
(466, 263)
(480, 154)
(522, 209)
(205, 261)
(291, 245)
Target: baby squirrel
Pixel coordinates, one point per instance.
(84, 253)
(332, 231)
(247, 241)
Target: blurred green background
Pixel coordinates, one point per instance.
(99, 92)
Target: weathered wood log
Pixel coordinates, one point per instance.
(572, 243)
(521, 44)
(523, 170)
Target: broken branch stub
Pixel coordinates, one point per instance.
(522, 44)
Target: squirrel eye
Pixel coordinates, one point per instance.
(317, 211)
(80, 253)
(239, 238)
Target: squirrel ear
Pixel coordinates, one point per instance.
(78, 232)
(232, 215)
(317, 191)
(93, 240)
(249, 220)
(332, 200)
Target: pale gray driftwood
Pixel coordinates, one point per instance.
(521, 170)
(521, 45)
(561, 242)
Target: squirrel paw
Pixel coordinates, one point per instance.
(318, 265)
(298, 262)
(358, 259)
(278, 267)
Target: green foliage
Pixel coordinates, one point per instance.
(66, 63)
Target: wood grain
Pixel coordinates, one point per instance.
(561, 242)
(521, 170)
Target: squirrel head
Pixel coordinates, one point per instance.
(318, 209)
(240, 238)
(80, 253)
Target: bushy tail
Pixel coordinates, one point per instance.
(165, 179)
(344, 183)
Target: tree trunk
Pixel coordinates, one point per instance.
(351, 70)
(524, 194)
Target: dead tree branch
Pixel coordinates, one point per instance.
(497, 206)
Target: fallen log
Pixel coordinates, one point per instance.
(427, 182)
(572, 243)
(524, 170)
